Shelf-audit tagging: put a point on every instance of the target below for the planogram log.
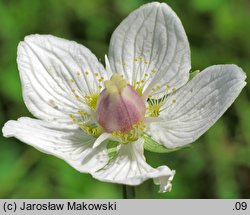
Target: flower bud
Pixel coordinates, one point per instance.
(119, 106)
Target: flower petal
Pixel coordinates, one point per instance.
(198, 105)
(67, 143)
(129, 167)
(53, 71)
(151, 45)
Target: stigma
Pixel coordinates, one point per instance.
(120, 108)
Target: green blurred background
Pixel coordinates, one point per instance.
(216, 166)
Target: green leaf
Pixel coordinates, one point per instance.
(153, 146)
(192, 74)
(112, 149)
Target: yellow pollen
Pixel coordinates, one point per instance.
(86, 73)
(131, 135)
(168, 86)
(153, 71)
(96, 74)
(72, 80)
(174, 101)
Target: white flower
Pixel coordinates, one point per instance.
(152, 100)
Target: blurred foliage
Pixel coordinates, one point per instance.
(216, 166)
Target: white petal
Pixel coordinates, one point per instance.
(151, 38)
(199, 104)
(50, 68)
(104, 136)
(67, 143)
(129, 167)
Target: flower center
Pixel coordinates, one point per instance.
(120, 109)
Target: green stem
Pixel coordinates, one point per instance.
(128, 192)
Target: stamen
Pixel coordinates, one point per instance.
(131, 135)
(155, 106)
(85, 122)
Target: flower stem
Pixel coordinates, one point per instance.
(128, 192)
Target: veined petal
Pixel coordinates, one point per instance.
(150, 47)
(129, 167)
(198, 105)
(54, 72)
(68, 143)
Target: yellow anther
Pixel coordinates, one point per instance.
(153, 89)
(153, 71)
(168, 86)
(146, 75)
(96, 74)
(72, 80)
(123, 64)
(173, 90)
(86, 73)
(158, 86)
(145, 62)
(135, 60)
(78, 74)
(131, 135)
(140, 58)
(142, 81)
(174, 100)
(73, 91)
